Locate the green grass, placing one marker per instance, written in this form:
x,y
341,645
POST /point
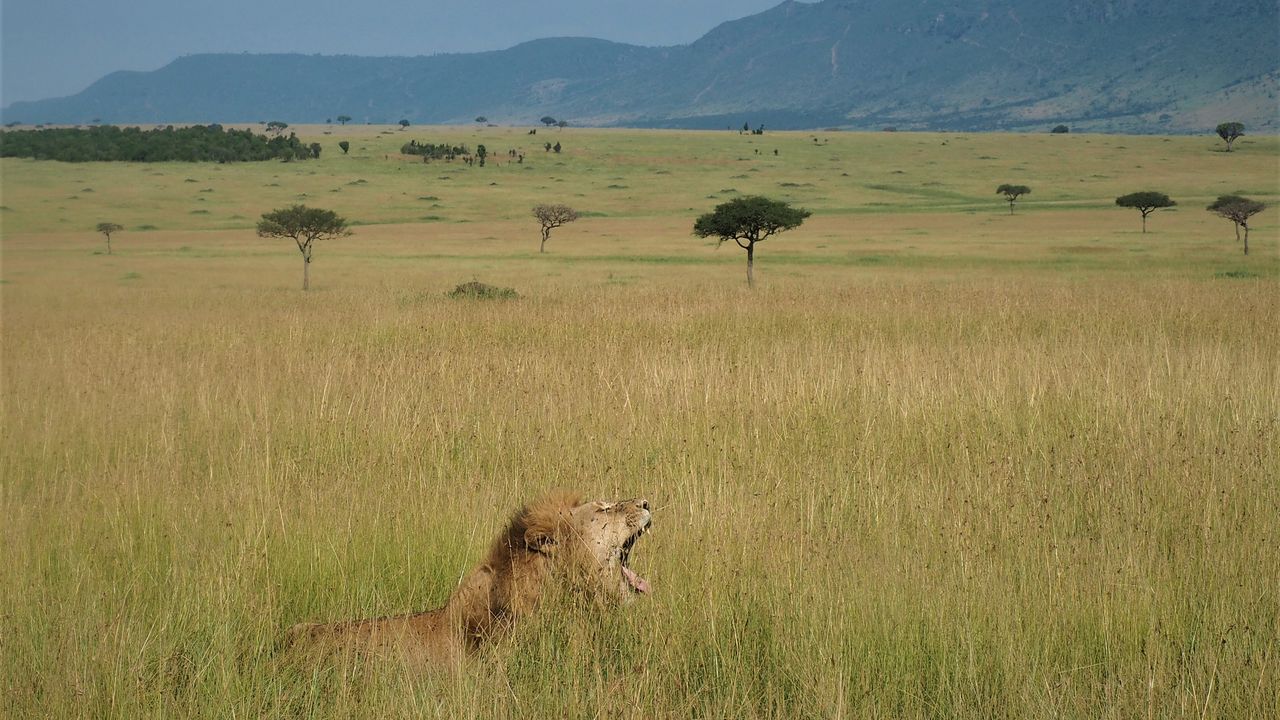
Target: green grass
x,y
886,174
942,462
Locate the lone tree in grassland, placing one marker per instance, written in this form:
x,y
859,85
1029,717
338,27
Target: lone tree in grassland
x,y
404,124
1230,132
481,119
276,127
747,221
552,216
344,146
106,228
1238,210
547,120
1145,202
1011,193
304,225
344,119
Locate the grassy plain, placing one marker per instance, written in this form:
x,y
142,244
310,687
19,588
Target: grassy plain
x,y
942,462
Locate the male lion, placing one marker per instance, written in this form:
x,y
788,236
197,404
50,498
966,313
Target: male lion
x,y
585,546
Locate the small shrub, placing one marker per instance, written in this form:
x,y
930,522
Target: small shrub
x,y
476,290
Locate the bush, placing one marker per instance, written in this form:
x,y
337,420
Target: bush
x,y
476,290
433,151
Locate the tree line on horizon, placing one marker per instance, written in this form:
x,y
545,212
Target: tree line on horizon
x,y
195,143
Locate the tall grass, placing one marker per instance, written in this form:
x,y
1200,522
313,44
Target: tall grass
x,y
943,494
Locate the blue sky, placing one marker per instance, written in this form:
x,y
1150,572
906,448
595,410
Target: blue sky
x,y
51,48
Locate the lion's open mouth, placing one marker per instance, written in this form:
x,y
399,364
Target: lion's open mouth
x,y
637,583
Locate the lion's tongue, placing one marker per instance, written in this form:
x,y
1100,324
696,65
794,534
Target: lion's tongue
x,y
637,582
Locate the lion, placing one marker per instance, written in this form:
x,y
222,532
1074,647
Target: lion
x,y
585,546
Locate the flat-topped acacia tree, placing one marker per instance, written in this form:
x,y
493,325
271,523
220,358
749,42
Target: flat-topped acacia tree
x,y
747,221
550,217
1145,202
106,228
1011,193
1230,132
304,226
1238,210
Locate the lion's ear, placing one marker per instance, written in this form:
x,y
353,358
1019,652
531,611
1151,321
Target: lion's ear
x,y
539,540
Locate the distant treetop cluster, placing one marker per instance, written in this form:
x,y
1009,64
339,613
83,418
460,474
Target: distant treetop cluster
x,y
189,144
434,151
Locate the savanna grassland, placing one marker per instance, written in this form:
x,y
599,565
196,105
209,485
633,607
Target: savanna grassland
x,y
942,462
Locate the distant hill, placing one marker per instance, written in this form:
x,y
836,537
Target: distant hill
x,y
1112,65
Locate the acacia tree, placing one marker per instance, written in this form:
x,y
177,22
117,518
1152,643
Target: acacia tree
x,y
344,119
747,221
547,120
404,124
1230,132
106,228
1238,210
552,216
304,226
1145,202
276,127
1011,193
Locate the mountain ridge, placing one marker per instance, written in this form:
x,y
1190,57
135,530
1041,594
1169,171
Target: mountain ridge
x,y
1111,65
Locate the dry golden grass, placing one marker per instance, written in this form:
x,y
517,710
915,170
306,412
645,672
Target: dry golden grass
x,y
939,464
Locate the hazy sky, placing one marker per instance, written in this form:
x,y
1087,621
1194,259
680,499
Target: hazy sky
x,y
52,48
